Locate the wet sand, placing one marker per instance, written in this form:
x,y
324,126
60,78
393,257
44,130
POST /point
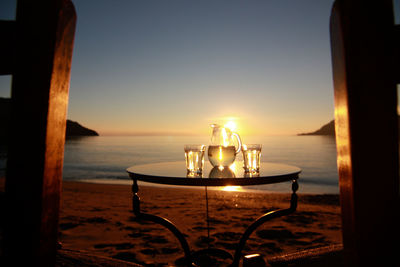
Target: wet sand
x,y
98,219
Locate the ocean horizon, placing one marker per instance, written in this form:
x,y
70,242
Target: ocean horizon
x,y
104,159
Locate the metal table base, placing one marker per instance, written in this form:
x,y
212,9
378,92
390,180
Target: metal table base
x,y
189,256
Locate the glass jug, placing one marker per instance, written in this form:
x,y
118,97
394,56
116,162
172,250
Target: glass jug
x,y
222,151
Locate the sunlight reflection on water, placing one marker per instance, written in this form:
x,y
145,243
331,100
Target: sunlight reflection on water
x,y
231,188
107,157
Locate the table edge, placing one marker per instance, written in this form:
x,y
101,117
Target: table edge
x,y
199,181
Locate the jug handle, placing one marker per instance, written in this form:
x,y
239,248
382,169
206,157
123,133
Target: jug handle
x,y
239,142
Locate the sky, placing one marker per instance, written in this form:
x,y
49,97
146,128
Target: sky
x,y
177,66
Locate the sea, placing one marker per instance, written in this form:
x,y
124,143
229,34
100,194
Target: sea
x,y
104,159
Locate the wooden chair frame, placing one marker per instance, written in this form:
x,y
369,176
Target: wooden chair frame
x,y
365,70
38,53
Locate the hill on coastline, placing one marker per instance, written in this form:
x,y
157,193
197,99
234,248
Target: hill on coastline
x,y
327,129
73,128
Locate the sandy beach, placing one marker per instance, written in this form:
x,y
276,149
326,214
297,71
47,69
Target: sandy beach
x,y
98,219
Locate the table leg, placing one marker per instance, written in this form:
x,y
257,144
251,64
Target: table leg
x,y
159,220
263,219
208,219
135,198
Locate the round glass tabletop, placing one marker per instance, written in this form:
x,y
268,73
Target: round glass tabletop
x,y
174,173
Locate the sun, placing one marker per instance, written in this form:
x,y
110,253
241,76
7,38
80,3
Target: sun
x,y
231,125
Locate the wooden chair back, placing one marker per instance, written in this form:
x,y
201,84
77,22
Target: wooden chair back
x,y
37,52
365,70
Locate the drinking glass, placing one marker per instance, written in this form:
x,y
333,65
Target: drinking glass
x,y
194,155
251,157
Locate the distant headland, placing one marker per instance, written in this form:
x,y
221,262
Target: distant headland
x,y
328,129
73,128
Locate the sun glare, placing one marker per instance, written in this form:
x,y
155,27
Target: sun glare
x,y
231,125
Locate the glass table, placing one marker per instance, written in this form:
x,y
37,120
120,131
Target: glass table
x,y
174,173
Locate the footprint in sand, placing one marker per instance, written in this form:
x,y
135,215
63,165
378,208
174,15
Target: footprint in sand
x,y
136,235
216,221
149,251
157,240
228,236
203,241
129,228
277,234
202,228
96,220
303,218
226,245
169,250
240,224
270,247
306,238
97,209
118,246
67,226
306,234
